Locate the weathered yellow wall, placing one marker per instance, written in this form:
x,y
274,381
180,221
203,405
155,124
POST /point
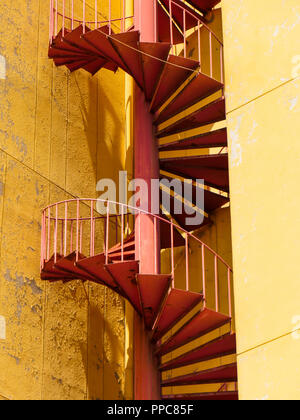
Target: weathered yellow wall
x,y
262,62
59,134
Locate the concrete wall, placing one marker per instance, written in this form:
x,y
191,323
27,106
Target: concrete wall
x,y
262,62
59,134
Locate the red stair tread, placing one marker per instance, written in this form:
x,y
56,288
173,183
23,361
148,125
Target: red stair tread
x,y
67,264
202,323
212,168
75,38
198,88
64,61
209,396
95,267
124,274
177,305
211,113
99,40
96,65
152,289
59,44
126,255
153,67
217,138
61,53
127,46
222,374
204,5
175,72
222,346
212,200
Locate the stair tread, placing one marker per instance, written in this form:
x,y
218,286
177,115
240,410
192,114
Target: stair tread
x,y
206,396
152,290
75,38
221,346
178,303
204,5
163,26
212,168
208,114
200,87
177,14
94,266
124,274
202,323
67,264
222,374
64,61
51,272
153,67
175,72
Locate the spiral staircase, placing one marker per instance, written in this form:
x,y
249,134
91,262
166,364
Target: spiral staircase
x,y
187,315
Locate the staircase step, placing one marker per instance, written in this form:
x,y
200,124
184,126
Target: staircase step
x,y
183,217
76,65
94,266
96,65
212,168
75,39
68,264
152,290
153,57
222,374
221,346
126,255
197,89
52,273
208,396
58,43
165,235
212,200
99,39
217,138
124,274
202,323
178,303
176,71
127,46
208,114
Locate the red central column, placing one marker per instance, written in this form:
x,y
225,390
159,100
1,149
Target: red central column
x,y
147,384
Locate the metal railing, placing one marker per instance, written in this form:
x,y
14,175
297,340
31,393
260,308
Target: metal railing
x,y
77,226
185,26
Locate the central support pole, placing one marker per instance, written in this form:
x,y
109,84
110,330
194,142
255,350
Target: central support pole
x,y
147,383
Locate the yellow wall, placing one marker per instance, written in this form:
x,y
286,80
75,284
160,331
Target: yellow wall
x,y
262,63
59,134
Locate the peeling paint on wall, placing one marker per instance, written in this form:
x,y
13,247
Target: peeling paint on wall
x,y
2,67
296,329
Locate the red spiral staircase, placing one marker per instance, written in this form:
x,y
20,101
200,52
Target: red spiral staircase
x,y
187,314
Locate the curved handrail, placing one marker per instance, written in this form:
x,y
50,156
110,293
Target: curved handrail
x,y
61,216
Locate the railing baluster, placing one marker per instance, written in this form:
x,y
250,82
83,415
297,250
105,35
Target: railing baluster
x,y
155,246
83,16
66,227
221,64
96,14
184,32
210,54
229,292
49,233
71,237
92,230
109,18
81,236
63,19
123,16
122,233
171,23
172,254
199,43
56,17
72,22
